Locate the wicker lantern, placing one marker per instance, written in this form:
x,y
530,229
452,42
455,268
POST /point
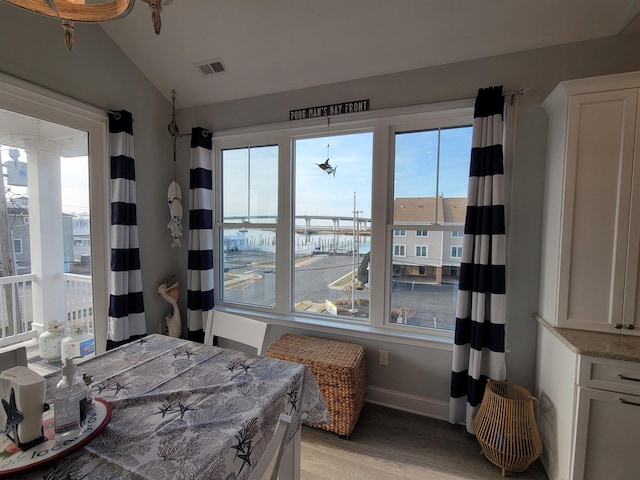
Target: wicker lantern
x,y
506,428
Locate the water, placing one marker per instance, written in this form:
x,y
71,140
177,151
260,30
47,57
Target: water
x,y
304,243
331,242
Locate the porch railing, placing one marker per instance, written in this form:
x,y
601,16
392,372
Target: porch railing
x,y
16,309
16,305
78,299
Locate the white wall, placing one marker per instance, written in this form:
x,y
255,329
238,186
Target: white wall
x,y
98,73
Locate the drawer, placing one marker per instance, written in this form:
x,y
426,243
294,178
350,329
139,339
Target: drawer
x,y
611,375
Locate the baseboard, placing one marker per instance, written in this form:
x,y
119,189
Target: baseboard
x,y
427,407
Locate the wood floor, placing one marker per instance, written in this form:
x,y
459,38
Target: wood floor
x,y
392,445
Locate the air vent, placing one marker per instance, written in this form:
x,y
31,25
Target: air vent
x,y
212,67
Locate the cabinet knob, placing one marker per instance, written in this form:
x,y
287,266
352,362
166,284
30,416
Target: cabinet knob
x,y
631,326
617,326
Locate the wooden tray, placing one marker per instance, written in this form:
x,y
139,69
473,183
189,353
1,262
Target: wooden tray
x,y
13,460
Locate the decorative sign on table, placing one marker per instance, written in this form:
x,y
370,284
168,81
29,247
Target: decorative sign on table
x,y
329,110
13,460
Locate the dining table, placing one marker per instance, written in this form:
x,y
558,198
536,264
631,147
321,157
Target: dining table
x,y
187,411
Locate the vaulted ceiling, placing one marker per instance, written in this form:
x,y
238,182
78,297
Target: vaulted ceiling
x,y
270,46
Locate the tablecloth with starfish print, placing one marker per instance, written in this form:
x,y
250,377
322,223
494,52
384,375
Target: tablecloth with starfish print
x,y
183,410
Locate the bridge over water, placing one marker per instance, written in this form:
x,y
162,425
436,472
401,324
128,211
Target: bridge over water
x,y
312,223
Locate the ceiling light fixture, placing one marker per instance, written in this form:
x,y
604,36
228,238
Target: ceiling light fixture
x,y
70,11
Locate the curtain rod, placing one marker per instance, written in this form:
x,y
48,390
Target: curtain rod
x,y
516,93
205,132
520,91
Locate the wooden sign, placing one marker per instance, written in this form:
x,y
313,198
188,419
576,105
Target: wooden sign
x,y
329,110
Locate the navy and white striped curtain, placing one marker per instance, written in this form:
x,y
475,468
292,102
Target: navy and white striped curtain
x,y
126,306
478,352
200,262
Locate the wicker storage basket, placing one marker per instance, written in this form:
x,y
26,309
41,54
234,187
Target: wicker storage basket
x,y
340,370
506,428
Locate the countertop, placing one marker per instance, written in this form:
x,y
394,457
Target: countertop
x,y
598,344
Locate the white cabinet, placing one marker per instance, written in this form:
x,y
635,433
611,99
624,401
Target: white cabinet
x,y
608,448
591,214
588,413
556,373
608,420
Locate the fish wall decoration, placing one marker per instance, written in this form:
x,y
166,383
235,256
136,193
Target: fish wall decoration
x,y
174,197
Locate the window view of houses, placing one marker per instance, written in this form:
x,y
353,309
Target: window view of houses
x,y
426,261
332,224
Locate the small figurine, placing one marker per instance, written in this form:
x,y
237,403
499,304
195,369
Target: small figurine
x,y
327,168
172,323
88,380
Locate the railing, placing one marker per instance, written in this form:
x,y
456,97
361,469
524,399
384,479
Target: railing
x,y
16,309
16,305
78,299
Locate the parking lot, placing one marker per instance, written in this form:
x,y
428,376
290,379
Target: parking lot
x,y
432,305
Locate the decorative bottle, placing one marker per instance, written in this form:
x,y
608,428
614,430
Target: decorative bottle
x,y
78,342
69,403
49,342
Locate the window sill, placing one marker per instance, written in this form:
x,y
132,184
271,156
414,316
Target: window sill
x,y
351,329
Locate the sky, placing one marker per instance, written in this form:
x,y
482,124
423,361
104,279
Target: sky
x,y
74,173
251,180
319,193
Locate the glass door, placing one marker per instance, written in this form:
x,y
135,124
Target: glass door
x,y
45,228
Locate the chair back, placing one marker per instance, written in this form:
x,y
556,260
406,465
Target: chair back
x,y
268,466
13,358
235,327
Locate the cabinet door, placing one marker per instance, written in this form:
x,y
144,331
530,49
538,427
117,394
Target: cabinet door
x,y
597,198
607,436
631,315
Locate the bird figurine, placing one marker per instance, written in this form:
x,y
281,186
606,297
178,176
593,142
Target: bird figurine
x,y
172,324
327,168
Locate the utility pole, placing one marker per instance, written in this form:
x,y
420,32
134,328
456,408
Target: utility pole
x,y
6,252
353,251
358,212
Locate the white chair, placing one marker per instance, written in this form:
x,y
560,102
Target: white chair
x,y
237,328
268,466
13,358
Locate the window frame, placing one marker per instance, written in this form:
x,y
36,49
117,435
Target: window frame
x,y
424,248
384,124
28,99
397,247
17,246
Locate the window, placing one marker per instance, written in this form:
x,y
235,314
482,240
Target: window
x,y
430,193
456,252
17,246
66,186
247,238
311,219
457,233
333,224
